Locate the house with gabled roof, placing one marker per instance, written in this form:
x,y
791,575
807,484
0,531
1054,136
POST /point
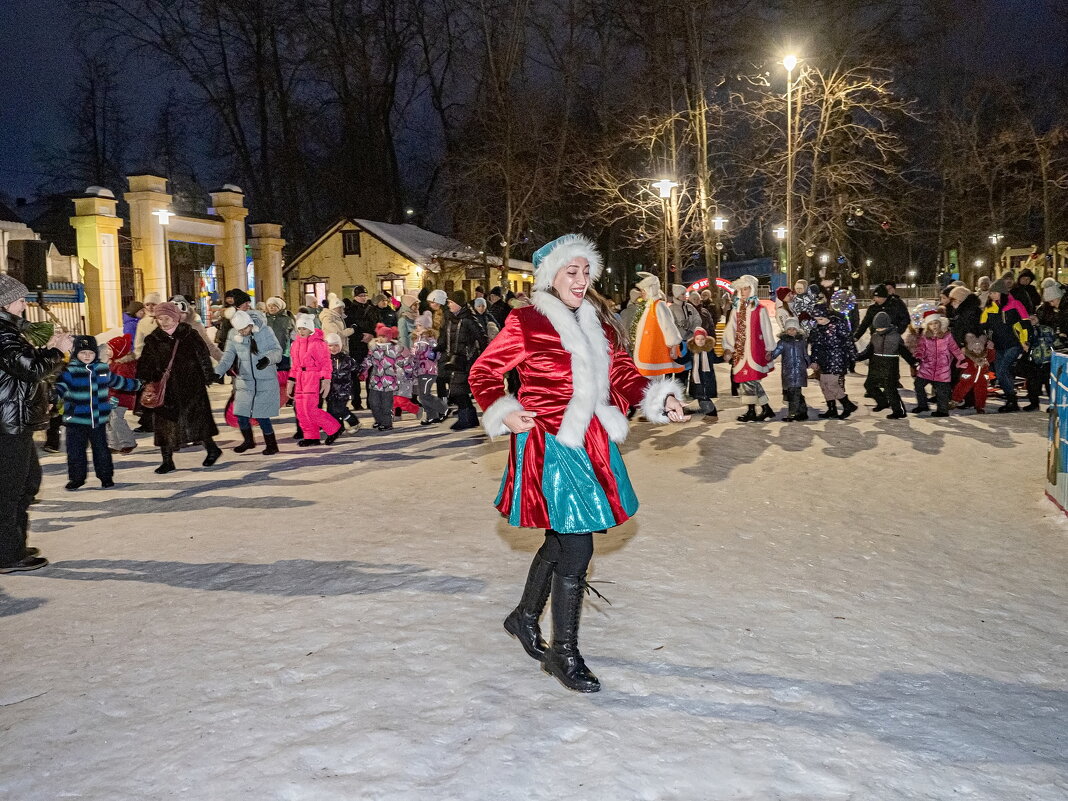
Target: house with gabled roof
x,y
394,258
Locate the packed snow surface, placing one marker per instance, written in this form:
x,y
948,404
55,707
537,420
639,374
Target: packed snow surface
x,y
867,609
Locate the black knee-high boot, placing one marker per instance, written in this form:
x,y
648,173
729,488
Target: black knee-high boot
x,y
563,659
168,462
522,623
213,450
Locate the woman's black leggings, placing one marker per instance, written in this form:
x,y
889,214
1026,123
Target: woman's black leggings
x,y
570,552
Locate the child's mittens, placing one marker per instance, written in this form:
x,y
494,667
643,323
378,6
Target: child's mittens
x,y
262,363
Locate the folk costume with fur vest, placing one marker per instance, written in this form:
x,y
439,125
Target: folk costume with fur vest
x,y
656,337
748,338
567,473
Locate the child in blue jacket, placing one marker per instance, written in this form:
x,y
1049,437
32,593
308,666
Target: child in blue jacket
x,y
84,387
793,348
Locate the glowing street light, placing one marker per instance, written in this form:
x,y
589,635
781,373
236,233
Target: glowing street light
x,y
164,215
824,258
664,187
719,223
780,232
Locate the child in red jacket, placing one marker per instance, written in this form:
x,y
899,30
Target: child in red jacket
x,y
978,356
118,353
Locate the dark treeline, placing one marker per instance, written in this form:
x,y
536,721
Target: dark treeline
x,y
511,121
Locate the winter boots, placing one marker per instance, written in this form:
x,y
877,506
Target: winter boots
x,y
563,659
214,452
1011,405
848,407
272,445
749,416
466,418
831,413
248,444
522,623
766,413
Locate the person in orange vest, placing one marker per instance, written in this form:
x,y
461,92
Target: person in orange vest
x,y
747,341
656,337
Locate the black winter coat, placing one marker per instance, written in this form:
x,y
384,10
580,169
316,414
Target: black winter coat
x,y
461,341
23,372
362,319
894,307
966,319
832,347
185,401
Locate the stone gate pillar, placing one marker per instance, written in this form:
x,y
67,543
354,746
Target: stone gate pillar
x,y
267,244
148,195
97,229
229,203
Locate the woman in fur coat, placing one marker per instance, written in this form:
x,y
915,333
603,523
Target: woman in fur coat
x,y
185,415
564,473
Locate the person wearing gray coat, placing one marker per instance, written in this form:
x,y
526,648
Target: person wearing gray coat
x,y
253,351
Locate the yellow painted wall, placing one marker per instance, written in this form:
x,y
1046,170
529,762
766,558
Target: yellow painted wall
x,y
327,261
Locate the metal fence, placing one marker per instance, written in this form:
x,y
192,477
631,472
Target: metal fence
x,y
62,302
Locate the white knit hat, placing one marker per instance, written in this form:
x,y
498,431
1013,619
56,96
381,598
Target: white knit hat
x,y
334,302
240,320
438,296
1051,290
333,339
152,297
306,321
281,304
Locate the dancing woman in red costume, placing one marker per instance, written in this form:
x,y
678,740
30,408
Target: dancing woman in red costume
x,y
564,473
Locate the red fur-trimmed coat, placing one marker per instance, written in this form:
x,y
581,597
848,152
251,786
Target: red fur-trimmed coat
x,y
577,379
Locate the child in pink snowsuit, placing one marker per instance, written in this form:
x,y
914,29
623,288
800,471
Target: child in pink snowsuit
x,y
311,367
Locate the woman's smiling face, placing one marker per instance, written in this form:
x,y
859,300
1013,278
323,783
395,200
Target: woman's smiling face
x,y
572,281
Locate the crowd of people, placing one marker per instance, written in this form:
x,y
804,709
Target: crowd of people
x,y
414,354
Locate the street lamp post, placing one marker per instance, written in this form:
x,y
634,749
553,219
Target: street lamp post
x,y
912,282
719,223
782,233
789,62
665,187
164,216
995,239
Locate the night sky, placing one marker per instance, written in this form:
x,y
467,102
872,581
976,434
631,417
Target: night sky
x,y
38,53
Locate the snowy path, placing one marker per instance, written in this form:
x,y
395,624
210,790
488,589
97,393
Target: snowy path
x,y
867,609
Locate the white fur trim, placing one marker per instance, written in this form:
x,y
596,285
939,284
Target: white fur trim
x,y
656,394
582,335
746,280
493,417
649,285
567,248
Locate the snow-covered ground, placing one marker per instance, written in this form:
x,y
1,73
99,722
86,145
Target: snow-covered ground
x,y
868,609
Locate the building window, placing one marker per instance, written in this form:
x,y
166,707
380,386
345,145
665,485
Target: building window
x,y
350,243
316,288
394,286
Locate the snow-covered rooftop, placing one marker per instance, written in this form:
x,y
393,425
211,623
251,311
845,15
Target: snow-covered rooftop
x,y
421,246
